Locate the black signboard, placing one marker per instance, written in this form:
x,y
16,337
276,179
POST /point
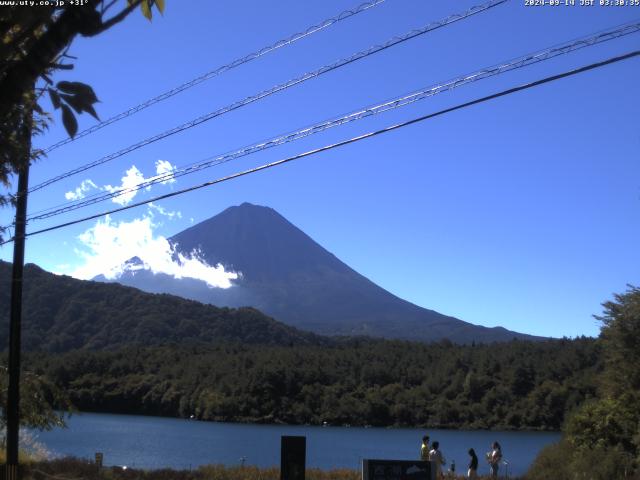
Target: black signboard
x,y
293,452
397,470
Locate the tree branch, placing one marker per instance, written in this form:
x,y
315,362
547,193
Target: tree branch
x,y
115,19
73,21
105,8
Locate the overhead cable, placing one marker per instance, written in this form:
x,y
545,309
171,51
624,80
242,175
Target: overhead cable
x,y
344,142
520,62
278,88
214,73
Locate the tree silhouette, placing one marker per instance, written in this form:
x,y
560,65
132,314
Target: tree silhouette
x,y
34,46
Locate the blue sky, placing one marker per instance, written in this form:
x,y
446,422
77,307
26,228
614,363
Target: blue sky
x,y
522,212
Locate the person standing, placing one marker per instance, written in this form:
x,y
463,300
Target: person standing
x,y
494,459
424,449
473,464
437,459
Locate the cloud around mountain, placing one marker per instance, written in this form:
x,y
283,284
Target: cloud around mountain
x,y
107,248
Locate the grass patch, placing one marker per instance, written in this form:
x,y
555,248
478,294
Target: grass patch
x,y
75,469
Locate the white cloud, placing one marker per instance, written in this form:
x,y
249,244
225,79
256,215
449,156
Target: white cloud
x,y
170,214
109,244
79,193
163,167
132,178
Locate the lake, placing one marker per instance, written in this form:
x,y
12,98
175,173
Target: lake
x,y
154,442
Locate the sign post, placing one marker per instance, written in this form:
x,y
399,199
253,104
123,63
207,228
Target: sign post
x,y
293,452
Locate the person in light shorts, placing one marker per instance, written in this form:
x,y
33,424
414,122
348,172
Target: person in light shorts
x,y
473,464
494,457
437,459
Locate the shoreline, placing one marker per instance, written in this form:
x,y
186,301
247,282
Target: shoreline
x,y
257,421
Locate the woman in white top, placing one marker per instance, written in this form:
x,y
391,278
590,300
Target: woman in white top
x,y
494,459
437,459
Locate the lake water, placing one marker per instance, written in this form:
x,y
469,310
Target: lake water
x,y
154,442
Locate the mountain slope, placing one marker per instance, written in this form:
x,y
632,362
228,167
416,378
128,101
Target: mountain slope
x,y
289,276
61,313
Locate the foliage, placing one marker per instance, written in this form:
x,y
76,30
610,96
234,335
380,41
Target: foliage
x,y
38,397
357,382
605,423
620,336
613,421
602,438
72,95
562,462
552,462
31,449
34,44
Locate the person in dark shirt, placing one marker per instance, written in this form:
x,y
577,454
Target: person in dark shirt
x,y
473,464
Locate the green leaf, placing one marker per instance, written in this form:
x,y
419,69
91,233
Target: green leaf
x,y
78,88
69,87
146,9
160,6
69,121
74,101
91,111
80,103
55,98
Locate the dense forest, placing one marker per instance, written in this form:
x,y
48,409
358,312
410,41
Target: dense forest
x,y
111,348
516,385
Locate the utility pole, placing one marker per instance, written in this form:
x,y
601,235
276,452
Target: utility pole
x,y
13,394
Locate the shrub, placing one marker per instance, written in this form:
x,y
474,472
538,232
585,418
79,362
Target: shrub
x,y
563,461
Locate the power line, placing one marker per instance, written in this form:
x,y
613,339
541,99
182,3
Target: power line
x,y
214,73
517,63
347,142
401,101
278,88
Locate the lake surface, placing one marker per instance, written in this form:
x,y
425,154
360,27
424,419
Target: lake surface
x,y
154,442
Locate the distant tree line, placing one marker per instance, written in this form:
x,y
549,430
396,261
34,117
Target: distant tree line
x,y
515,385
111,348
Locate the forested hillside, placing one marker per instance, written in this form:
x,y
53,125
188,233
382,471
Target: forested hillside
x,y
117,349
61,313
516,385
